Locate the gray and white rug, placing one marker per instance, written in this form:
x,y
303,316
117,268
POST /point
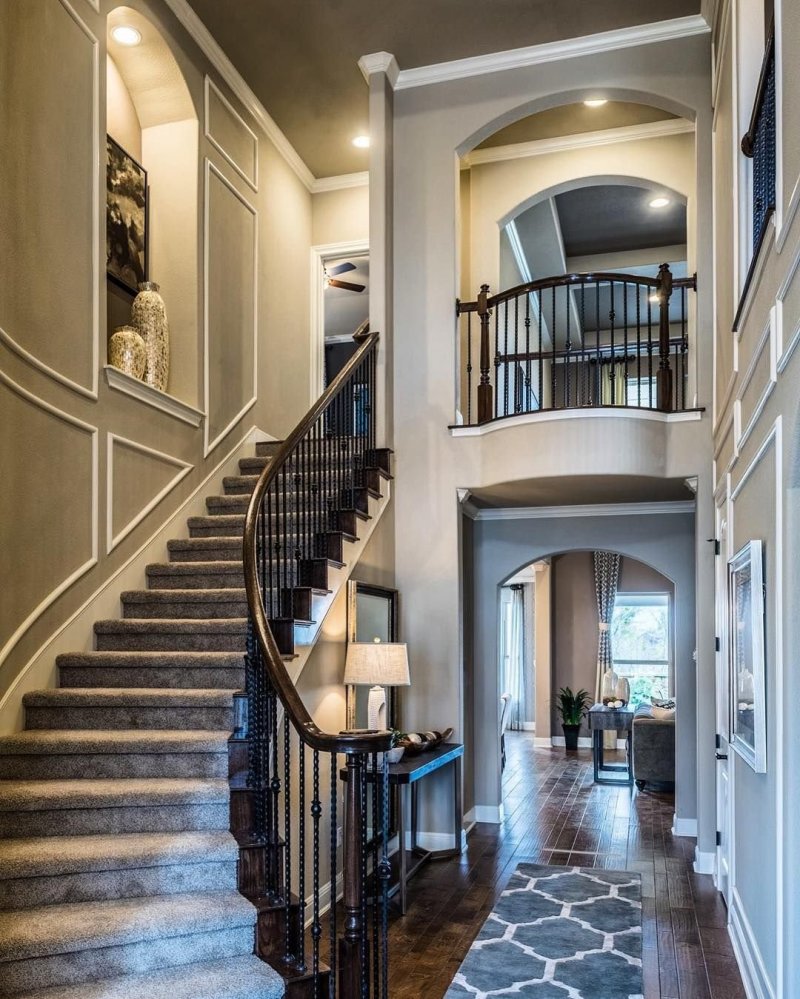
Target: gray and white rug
x,y
558,933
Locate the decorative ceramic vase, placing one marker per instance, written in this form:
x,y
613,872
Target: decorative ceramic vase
x,y
608,689
623,690
149,316
126,351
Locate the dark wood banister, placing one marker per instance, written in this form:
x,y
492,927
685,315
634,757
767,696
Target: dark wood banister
x,y
559,280
749,137
312,735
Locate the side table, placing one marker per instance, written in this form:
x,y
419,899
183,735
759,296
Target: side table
x,y
602,719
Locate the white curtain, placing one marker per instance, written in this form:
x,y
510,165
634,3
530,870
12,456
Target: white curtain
x,y
513,643
606,578
612,389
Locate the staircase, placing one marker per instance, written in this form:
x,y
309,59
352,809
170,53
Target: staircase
x,y
131,864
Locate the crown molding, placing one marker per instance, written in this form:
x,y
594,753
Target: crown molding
x,y
380,62
214,53
582,140
340,182
586,510
570,48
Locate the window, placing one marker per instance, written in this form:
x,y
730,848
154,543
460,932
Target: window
x,y
640,643
640,392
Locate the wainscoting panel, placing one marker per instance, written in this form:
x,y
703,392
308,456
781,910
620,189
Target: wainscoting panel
x,y
48,532
230,236
230,134
49,177
137,479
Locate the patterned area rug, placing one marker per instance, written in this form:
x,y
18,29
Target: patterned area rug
x,y
559,933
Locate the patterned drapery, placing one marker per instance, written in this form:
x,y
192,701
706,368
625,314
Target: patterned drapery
x,y
606,577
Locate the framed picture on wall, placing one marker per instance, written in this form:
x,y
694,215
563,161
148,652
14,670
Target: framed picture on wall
x,y
748,689
126,218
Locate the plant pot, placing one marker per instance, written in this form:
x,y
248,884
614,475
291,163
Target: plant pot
x,y
571,736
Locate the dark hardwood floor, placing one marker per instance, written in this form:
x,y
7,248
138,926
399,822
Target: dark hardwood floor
x,y
555,814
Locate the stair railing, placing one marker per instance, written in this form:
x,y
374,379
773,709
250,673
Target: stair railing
x,y
576,341
308,497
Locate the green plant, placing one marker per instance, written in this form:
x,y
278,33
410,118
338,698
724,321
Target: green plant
x,y
572,707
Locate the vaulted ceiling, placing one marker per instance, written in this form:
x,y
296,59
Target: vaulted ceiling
x,y
301,58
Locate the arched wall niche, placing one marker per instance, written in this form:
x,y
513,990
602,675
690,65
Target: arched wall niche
x,y
151,114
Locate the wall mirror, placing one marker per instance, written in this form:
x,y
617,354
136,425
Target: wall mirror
x,y
371,614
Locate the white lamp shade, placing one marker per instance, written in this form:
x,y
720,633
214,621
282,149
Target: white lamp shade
x,y
381,663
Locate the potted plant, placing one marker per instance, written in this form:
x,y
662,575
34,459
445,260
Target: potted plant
x,y
572,708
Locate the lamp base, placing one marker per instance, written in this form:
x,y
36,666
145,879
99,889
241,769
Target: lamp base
x,y
376,709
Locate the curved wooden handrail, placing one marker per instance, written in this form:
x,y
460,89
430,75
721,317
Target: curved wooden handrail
x,y
767,66
568,280
309,731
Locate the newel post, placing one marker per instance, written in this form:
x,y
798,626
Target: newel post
x,y
664,379
351,958
485,400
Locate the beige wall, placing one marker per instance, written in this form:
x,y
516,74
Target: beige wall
x,y
55,406
340,216
755,471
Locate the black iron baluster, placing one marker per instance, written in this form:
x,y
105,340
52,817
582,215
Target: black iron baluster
x,y
553,348
332,921
301,851
364,978
568,346
287,838
598,379
517,387
275,787
650,350
540,352
496,361
316,929
505,358
612,374
625,341
376,970
469,368
528,390
684,348
385,873
585,400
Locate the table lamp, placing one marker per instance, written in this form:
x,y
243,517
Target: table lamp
x,y
378,665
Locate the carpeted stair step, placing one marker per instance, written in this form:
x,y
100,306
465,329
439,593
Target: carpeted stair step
x,y
215,549
71,944
234,978
56,870
129,708
222,526
238,485
171,636
85,807
184,604
268,449
47,754
195,575
185,670
227,504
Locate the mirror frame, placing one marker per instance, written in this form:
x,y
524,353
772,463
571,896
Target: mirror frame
x,y
354,587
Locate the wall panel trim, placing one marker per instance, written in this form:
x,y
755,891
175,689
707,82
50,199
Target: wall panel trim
x,y
228,157
65,584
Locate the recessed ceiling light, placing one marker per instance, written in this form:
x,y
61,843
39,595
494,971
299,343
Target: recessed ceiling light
x,y
659,202
654,298
361,142
124,34
596,102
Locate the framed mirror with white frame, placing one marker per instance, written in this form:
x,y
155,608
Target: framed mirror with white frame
x,y
748,688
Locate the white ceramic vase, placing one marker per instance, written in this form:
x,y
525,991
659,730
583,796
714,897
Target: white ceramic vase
x,y
149,316
126,351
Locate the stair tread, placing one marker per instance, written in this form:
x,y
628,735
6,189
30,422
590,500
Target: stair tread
x,y
80,926
46,741
146,657
175,625
46,856
192,568
48,795
210,595
242,977
128,696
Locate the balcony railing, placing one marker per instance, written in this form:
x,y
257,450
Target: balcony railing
x,y
576,341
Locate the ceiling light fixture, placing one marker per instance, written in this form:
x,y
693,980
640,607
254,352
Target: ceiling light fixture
x,y
124,34
659,202
595,102
654,298
361,142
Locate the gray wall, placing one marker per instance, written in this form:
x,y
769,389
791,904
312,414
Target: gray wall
x,y
665,542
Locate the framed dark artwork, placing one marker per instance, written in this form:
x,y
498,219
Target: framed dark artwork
x,y
748,690
126,218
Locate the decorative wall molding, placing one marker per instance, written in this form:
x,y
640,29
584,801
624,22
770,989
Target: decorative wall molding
x,y
112,539
546,415
684,827
340,182
319,254
587,510
766,340
748,956
209,445
791,211
82,569
583,140
152,396
534,55
785,348
705,862
380,62
217,144
213,52
91,391
764,253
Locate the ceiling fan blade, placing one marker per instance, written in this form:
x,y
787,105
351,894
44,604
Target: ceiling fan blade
x,y
346,285
340,269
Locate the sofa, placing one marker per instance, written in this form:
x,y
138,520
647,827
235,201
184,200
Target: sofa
x,y
652,748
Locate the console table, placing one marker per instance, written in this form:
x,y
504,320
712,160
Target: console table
x,y
603,719
405,776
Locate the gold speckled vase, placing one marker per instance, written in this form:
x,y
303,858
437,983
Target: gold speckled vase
x,y
126,351
149,316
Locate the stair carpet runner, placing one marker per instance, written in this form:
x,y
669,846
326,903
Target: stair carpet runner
x,y
118,869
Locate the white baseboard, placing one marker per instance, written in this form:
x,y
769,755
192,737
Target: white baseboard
x,y
751,964
704,862
436,840
684,827
542,742
469,821
493,814
324,898
529,726
584,742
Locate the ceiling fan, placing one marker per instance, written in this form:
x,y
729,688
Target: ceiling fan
x,y
331,280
